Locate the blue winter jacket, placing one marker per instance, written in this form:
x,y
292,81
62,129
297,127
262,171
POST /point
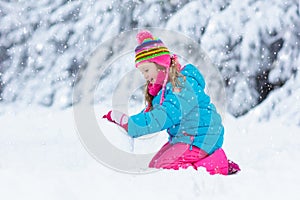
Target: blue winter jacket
x,y
188,115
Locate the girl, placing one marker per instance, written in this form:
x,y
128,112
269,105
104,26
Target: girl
x,y
176,101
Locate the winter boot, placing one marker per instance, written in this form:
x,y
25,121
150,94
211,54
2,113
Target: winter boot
x,y
233,168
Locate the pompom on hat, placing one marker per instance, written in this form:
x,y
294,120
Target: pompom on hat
x,y
151,49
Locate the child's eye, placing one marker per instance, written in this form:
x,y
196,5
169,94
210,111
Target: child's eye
x,y
146,70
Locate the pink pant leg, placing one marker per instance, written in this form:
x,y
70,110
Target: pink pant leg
x,y
180,156
175,156
215,163
160,152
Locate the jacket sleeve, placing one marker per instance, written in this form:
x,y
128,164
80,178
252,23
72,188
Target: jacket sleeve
x,y
160,118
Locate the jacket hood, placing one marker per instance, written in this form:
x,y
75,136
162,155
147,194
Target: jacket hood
x,y
191,72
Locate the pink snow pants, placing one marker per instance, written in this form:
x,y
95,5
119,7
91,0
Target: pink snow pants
x,y
175,156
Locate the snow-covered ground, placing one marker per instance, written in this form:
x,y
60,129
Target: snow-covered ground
x,y
41,157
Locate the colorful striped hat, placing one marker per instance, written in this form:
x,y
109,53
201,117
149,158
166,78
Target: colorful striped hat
x,y
151,49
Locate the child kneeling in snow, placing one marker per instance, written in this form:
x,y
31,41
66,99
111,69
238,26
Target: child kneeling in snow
x,y
176,101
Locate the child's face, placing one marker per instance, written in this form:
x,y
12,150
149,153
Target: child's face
x,y
149,71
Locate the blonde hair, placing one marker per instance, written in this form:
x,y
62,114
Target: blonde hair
x,y
174,75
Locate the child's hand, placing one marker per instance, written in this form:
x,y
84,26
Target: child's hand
x,y
118,118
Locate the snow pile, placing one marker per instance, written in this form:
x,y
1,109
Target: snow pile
x,y
42,158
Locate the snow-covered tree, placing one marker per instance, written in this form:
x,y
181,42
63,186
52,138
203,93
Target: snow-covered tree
x,y
43,44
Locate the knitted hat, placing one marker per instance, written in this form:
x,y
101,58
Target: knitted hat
x,y
151,49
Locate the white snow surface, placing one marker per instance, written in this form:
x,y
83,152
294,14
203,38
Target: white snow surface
x,y
42,157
